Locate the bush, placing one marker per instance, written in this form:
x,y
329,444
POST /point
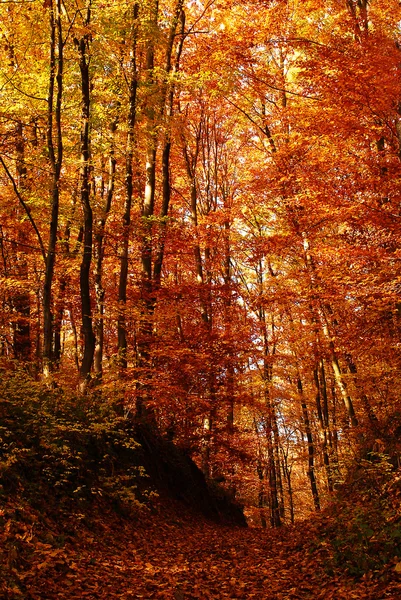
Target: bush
x,y
362,532
80,447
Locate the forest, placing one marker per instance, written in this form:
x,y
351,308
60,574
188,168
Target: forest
x,y
200,287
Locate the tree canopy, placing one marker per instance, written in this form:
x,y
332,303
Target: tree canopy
x,y
200,223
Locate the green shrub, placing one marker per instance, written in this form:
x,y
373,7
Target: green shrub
x,y
363,528
79,447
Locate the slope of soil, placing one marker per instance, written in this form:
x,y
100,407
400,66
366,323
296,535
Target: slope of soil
x,y
175,475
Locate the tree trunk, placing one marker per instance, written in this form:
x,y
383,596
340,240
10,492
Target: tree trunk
x,y
55,153
84,279
99,254
311,447
21,299
151,254
129,188
323,416
270,420
287,477
322,318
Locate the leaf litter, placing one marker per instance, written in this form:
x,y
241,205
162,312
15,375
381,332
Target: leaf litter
x,y
171,555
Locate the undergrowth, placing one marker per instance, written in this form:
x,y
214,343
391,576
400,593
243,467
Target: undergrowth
x,y
63,460
360,532
75,447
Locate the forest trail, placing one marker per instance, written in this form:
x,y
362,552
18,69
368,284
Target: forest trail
x,y
187,558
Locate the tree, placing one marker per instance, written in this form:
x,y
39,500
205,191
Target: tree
x,y
205,220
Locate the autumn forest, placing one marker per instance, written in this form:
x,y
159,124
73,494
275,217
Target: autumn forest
x,y
200,230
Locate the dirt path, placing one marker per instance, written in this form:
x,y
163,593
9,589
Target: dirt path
x,y
183,559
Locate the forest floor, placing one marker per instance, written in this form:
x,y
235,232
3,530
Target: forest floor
x,y
172,554
80,520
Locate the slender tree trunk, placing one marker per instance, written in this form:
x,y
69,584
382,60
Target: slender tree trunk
x,y
151,253
311,446
373,420
287,477
129,190
179,17
58,320
84,279
207,428
191,171
322,317
55,154
323,416
307,426
99,255
227,301
277,463
270,416
21,299
261,471
275,513
145,333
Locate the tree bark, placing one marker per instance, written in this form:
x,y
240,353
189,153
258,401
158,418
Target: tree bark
x,y
151,253
129,190
21,299
311,446
319,378
99,255
85,269
324,323
55,154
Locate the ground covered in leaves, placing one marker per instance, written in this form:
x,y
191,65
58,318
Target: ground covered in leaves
x,y
173,554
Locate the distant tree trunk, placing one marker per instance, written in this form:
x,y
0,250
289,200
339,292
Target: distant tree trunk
x,y
372,418
271,429
60,302
152,254
261,494
227,301
287,476
179,17
277,462
58,319
145,333
275,512
323,416
191,164
203,278
107,196
261,471
207,427
325,327
206,316
311,446
21,300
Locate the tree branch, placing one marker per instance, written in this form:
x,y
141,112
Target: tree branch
x,y
25,207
